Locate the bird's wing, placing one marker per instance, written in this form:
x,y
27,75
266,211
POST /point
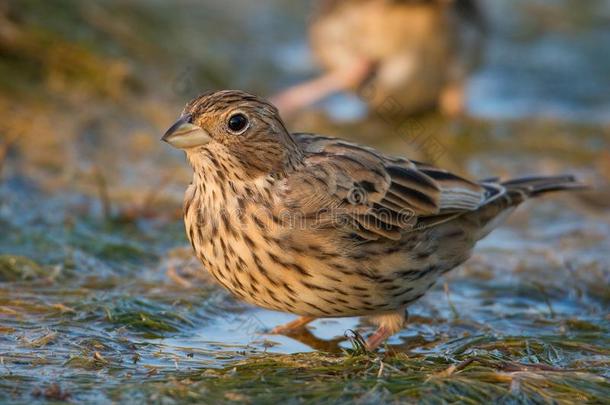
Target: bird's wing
x,y
371,194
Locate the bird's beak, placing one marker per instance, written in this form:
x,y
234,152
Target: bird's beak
x,y
183,134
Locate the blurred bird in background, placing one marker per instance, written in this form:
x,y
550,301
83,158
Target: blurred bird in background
x,y
419,52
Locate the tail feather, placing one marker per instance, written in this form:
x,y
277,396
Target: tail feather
x,y
534,186
505,196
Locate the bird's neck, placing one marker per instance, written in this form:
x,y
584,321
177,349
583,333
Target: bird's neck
x,y
221,182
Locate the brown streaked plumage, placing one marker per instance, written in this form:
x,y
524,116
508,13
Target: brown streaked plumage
x,y
321,227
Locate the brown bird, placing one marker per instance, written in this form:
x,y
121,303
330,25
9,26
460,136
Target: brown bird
x,y
321,227
418,52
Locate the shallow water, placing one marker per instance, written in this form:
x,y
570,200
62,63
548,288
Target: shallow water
x,y
100,298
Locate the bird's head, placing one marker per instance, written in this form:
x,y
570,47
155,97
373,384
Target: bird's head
x,y
236,124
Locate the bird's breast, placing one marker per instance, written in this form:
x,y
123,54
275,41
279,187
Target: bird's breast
x,y
268,257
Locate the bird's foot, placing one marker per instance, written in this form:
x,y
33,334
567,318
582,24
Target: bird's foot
x,y
293,326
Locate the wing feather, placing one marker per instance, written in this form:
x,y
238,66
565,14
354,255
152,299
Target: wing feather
x,y
378,196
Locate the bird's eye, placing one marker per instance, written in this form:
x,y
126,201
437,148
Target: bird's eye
x,y
237,123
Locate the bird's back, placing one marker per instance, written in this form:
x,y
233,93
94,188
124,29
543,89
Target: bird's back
x,y
388,198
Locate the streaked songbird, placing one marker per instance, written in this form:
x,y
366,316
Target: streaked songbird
x,y
321,227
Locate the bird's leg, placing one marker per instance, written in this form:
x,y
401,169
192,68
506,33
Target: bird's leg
x,y
293,326
377,338
312,91
452,99
389,324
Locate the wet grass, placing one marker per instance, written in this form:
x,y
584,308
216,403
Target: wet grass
x,y
487,376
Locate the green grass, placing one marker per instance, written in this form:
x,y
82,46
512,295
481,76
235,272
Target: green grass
x,y
320,378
